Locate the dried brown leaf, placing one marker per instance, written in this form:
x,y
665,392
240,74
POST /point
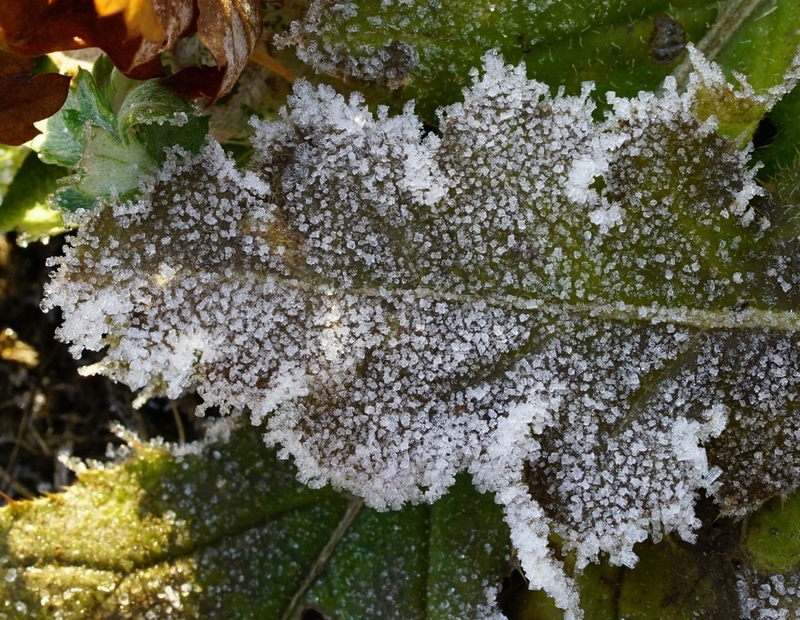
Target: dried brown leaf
x,y
25,99
230,30
195,82
34,27
134,32
156,24
140,17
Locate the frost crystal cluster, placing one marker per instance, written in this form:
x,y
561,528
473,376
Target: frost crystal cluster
x,y
550,303
386,64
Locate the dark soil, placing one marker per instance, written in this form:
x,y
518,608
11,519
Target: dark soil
x,y
47,410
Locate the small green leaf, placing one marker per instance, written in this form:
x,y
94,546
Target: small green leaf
x,y
108,168
63,140
69,199
25,208
111,167
150,103
114,133
102,71
161,120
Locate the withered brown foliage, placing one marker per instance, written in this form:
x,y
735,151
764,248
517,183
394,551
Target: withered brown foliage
x,y
25,99
132,32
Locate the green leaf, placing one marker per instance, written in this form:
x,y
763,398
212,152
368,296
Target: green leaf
x,y
773,540
108,167
772,26
622,47
85,135
161,120
24,207
429,51
103,75
150,103
114,132
222,529
63,140
11,158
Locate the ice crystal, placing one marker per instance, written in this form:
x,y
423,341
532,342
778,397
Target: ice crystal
x,y
768,598
545,301
388,64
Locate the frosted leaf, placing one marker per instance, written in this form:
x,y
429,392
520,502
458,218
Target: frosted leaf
x,y
774,597
387,64
709,76
624,461
550,303
764,425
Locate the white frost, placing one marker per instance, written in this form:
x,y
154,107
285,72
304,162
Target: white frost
x,y
396,309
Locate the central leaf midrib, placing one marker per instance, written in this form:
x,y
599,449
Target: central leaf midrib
x,y
621,312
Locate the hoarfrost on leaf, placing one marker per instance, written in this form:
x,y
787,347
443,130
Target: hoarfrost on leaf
x,y
389,64
547,302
